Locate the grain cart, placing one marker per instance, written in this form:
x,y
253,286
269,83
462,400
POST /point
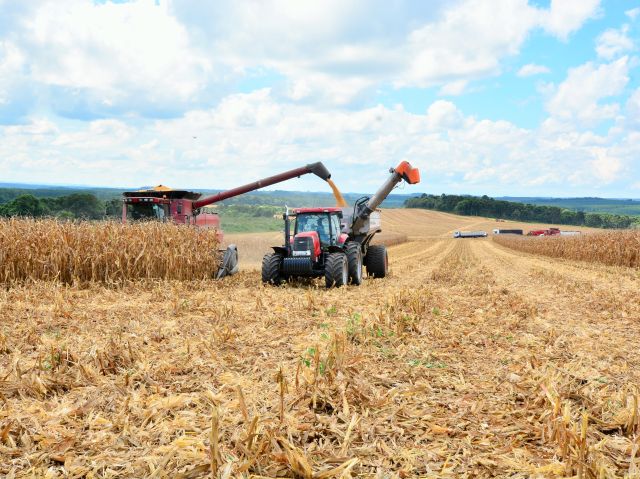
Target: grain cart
x,y
186,207
335,242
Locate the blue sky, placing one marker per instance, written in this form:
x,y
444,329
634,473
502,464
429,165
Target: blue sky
x,y
498,97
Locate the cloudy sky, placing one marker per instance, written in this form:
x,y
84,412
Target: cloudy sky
x,y
498,97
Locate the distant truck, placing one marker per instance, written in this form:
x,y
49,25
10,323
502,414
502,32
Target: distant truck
x,y
470,234
507,232
547,232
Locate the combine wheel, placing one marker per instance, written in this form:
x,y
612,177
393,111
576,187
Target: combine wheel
x,y
336,270
271,265
377,261
354,257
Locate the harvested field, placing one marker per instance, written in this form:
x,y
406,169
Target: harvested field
x,y
618,248
470,360
106,252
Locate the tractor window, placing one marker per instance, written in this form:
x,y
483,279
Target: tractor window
x,y
147,211
315,222
324,231
335,227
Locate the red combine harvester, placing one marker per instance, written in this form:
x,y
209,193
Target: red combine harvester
x,y
547,232
334,242
186,207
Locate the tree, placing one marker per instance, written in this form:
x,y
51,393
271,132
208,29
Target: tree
x,y
24,205
82,205
113,208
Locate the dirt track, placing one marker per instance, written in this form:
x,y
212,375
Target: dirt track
x,y
470,360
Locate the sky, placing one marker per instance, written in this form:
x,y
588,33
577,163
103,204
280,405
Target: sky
x,y
496,97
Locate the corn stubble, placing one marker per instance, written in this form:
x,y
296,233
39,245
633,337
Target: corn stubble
x,y
469,360
615,248
103,252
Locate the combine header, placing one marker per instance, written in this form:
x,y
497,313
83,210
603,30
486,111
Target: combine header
x,y
186,207
335,242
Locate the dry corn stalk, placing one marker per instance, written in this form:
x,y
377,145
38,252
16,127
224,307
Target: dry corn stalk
x,y
616,248
103,252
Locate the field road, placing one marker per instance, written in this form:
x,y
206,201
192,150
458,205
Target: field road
x,y
469,360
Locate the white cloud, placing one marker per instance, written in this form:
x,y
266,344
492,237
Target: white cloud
x,y
317,45
633,13
454,88
532,69
613,42
255,134
567,16
578,97
163,57
11,62
444,115
606,167
114,54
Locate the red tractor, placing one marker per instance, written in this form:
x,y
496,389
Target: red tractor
x,y
186,207
334,242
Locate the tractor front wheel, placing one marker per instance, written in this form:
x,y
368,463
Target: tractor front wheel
x,y
336,270
377,261
354,257
271,266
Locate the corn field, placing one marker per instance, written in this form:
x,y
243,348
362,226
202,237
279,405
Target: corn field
x,y
617,248
469,359
104,252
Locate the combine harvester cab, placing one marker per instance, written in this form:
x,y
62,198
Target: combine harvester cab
x,y
188,208
335,242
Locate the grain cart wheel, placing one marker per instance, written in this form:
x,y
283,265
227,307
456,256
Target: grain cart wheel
x,y
354,257
377,261
271,265
336,270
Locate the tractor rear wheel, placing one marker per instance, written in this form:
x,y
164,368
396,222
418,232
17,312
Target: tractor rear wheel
x,y
336,270
377,261
354,257
271,266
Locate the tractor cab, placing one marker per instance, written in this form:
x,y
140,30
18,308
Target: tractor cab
x,y
314,230
325,223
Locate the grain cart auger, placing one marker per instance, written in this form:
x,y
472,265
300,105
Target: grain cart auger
x,y
187,208
335,242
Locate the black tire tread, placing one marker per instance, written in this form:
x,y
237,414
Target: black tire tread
x,y
375,261
271,264
333,269
353,249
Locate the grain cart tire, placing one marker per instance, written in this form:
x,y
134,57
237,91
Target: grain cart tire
x,y
354,257
377,261
271,266
336,270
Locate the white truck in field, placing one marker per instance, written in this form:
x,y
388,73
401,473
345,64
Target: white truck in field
x,y
470,234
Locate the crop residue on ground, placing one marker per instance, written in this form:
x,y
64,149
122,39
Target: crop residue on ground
x,y
469,360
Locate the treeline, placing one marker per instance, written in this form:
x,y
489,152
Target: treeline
x,y
87,206
490,207
75,206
